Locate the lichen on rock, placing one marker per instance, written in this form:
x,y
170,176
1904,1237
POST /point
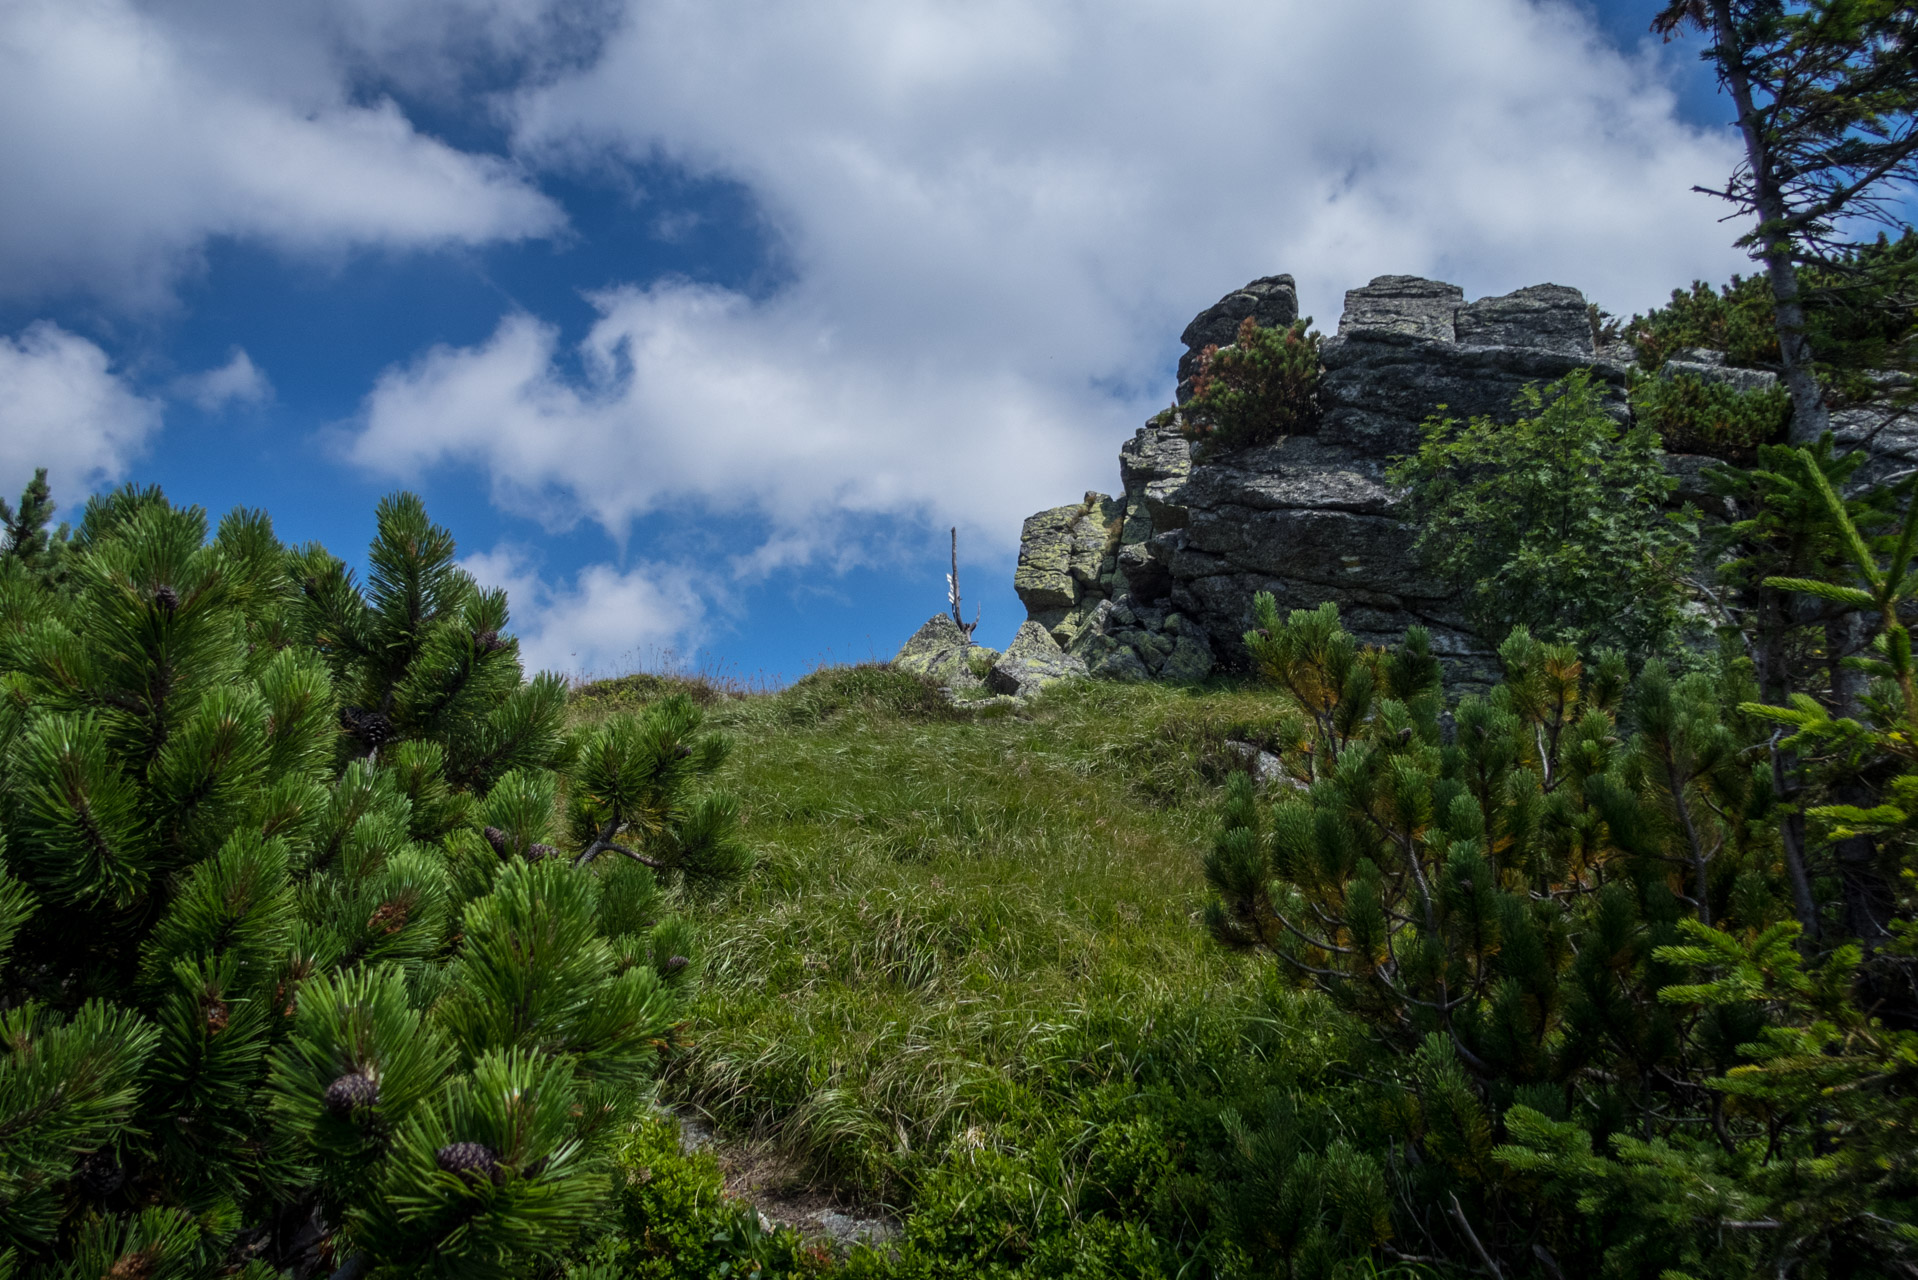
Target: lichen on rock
x,y
1033,661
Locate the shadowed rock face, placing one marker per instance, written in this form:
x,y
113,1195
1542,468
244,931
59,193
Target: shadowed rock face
x,y
1310,518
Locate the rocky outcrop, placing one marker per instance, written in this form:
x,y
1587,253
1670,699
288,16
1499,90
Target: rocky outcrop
x,y
1310,518
1096,577
1157,583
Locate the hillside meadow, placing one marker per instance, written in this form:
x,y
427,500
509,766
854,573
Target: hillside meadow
x,y
967,987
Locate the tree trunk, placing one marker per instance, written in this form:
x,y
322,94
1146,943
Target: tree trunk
x,y
1809,417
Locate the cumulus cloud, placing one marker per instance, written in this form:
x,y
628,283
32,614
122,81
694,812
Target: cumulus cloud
x,y
693,393
63,408
998,215
129,145
238,381
603,620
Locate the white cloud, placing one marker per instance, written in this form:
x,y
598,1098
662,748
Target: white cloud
x,y
603,621
238,381
62,408
128,145
695,393
998,216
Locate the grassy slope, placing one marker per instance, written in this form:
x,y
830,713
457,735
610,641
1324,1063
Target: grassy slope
x,y
970,933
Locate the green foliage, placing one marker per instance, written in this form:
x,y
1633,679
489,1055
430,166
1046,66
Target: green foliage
x,y
422,654
673,1222
1859,320
1261,388
1691,415
24,528
868,686
1567,928
1554,522
1735,318
251,967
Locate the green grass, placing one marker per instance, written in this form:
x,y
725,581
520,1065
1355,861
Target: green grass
x,y
963,925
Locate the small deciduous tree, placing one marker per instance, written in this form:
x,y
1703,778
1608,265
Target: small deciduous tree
x,y
1555,522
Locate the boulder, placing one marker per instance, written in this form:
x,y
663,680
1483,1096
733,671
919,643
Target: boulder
x,y
942,650
1062,552
1032,662
1718,371
1405,306
1549,317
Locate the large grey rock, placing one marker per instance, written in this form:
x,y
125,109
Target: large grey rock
x,y
1718,371
1062,551
1313,517
1033,661
1154,465
1406,306
1547,316
942,650
1888,434
1271,301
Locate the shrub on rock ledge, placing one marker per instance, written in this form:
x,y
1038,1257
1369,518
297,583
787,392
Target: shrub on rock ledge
x,y
1262,387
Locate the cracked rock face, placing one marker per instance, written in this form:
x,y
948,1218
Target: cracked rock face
x,y
1272,301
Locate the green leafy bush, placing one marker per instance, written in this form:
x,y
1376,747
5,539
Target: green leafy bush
x,y
1859,312
1555,522
1262,387
673,1222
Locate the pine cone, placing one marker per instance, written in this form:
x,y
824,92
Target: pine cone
x,y
535,852
217,1016
488,641
470,1160
166,597
352,1092
137,1265
497,838
100,1175
675,963
389,919
370,727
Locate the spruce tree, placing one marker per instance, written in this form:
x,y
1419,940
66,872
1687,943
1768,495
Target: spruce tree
x,y
277,990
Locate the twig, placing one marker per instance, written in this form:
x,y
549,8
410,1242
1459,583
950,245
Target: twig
x,y
1471,1238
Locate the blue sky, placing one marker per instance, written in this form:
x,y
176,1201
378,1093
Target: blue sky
x,y
700,321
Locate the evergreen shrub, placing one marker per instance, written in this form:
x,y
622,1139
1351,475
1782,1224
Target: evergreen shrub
x,y
1692,415
1261,388
1599,1039
296,968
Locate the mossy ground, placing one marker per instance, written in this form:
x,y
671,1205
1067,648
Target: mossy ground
x,y
968,982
